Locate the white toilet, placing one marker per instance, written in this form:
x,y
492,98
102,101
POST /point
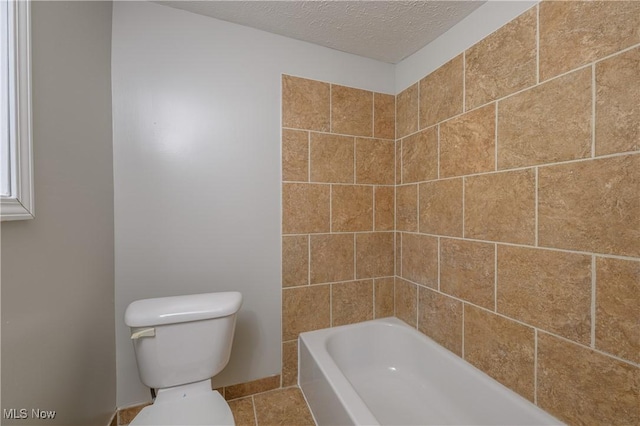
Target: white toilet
x,y
180,343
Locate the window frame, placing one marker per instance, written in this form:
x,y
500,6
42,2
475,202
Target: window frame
x,y
19,204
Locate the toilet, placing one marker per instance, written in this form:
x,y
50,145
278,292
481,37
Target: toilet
x,y
180,343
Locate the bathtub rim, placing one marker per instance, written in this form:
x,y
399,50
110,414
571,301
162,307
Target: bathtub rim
x,y
355,408
351,402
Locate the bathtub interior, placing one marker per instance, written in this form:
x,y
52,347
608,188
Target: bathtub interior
x,y
386,372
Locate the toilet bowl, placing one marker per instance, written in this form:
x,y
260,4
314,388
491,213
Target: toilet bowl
x,y
193,404
181,342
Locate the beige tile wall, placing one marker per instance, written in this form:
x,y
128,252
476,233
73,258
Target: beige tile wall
x,y
518,208
338,208
513,188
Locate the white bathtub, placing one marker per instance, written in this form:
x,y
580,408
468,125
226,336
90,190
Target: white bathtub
x,y
384,372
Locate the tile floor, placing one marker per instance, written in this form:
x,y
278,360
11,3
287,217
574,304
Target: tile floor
x,y
277,407
284,406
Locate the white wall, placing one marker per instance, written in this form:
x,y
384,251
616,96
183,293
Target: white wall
x,y
196,109
480,23
58,343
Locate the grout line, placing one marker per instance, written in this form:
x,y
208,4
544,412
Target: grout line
x,y
373,292
535,366
401,160
330,108
418,207
374,198
308,157
320,132
332,282
342,183
617,53
469,303
394,296
395,237
438,158
395,253
355,250
495,278
439,263
463,210
593,301
495,141
308,259
535,212
373,114
463,309
336,232
491,172
593,111
439,249
556,249
595,350
537,44
331,208
355,141
418,117
605,255
396,144
604,58
395,164
581,67
400,234
331,305
582,345
582,160
255,413
464,81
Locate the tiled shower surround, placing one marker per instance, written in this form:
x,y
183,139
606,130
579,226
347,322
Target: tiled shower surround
x,y
514,240
338,156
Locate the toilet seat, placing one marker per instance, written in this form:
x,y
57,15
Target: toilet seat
x,y
193,404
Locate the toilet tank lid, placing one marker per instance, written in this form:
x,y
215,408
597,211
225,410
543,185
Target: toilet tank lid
x,y
177,309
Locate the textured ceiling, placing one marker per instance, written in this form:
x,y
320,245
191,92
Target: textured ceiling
x,y
388,31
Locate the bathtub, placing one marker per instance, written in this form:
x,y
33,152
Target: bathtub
x,y
383,372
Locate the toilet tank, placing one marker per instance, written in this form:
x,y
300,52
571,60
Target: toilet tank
x,y
182,339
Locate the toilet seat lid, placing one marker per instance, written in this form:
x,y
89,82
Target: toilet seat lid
x,y
204,409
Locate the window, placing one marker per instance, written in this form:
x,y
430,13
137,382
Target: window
x,y
16,174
